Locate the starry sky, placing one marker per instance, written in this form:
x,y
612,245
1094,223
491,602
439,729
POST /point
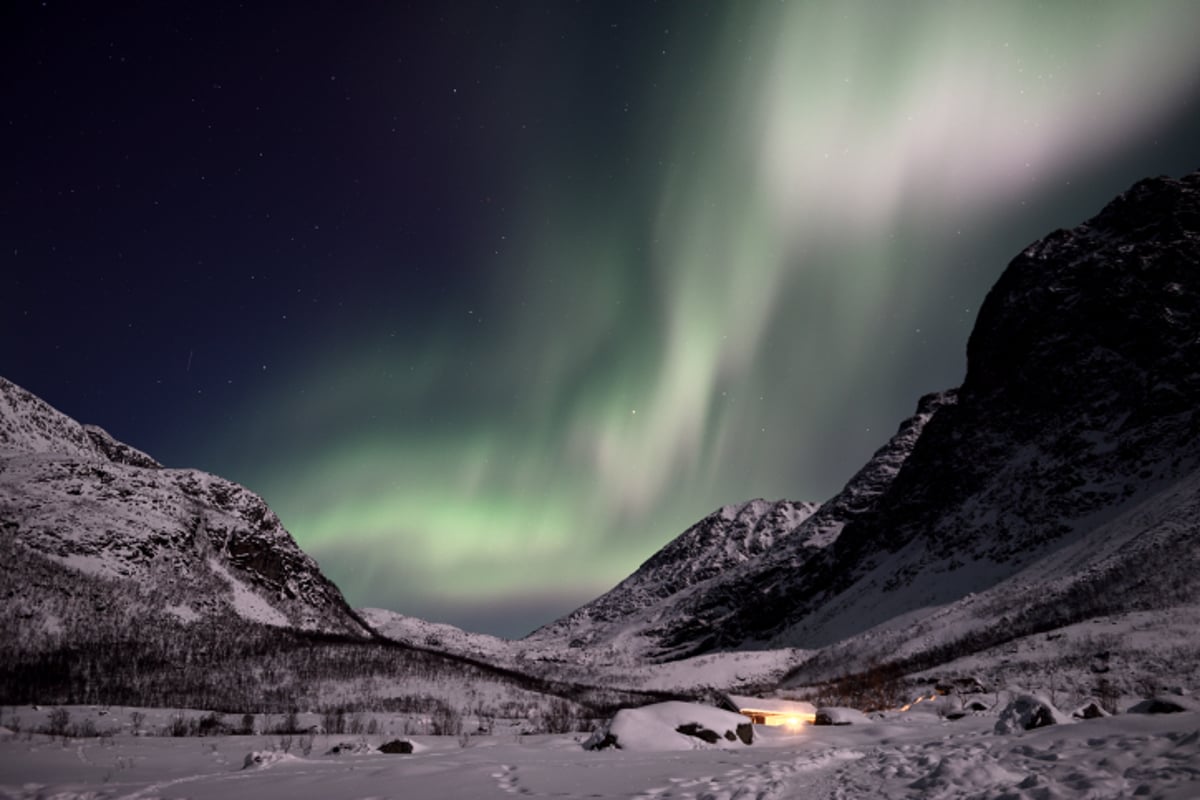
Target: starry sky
x,y
492,300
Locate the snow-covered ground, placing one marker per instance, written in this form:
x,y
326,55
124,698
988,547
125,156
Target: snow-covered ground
x,y
905,756
609,666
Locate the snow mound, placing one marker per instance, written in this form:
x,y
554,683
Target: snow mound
x,y
673,726
833,715
1028,711
1166,704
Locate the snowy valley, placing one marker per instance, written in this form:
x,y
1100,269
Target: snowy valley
x,y
1003,602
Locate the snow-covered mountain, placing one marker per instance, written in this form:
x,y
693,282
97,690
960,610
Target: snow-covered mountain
x,y
1056,490
726,538
671,606
206,547
439,636
127,582
1081,404
1057,484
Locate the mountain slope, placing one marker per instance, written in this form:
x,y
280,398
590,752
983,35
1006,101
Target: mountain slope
x,y
73,494
665,609
1081,400
1081,404
729,536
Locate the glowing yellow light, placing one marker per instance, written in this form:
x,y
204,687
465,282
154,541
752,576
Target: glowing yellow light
x,y
775,719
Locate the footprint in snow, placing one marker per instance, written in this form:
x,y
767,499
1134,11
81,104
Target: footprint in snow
x,y
507,781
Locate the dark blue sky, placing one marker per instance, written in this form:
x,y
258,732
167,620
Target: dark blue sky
x,y
490,301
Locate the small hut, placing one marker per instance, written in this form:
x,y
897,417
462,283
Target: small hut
x,y
772,711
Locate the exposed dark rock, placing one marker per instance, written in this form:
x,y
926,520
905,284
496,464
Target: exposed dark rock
x,y
1165,704
1090,710
1027,712
700,732
601,740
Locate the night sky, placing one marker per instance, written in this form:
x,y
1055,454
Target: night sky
x,y
491,301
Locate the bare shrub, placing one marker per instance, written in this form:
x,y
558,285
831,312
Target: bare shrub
x,y
58,723
179,726
877,688
333,721
290,723
445,721
1108,695
560,717
211,724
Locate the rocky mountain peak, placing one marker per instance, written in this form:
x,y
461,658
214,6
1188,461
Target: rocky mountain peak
x,y
28,425
681,598
1116,293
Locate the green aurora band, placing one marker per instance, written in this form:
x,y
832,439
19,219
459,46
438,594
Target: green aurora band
x,y
742,297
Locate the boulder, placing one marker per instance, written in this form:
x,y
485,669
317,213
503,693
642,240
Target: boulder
x,y
1090,709
1028,711
1165,704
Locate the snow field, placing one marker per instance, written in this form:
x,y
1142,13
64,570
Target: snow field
x,y
918,756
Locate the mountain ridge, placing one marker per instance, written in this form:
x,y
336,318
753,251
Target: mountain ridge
x,y
74,494
659,630
1080,403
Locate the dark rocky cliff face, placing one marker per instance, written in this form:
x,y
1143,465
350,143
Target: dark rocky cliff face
x,y
1082,395
1082,385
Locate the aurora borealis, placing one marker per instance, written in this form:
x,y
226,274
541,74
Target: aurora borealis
x,y
491,303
